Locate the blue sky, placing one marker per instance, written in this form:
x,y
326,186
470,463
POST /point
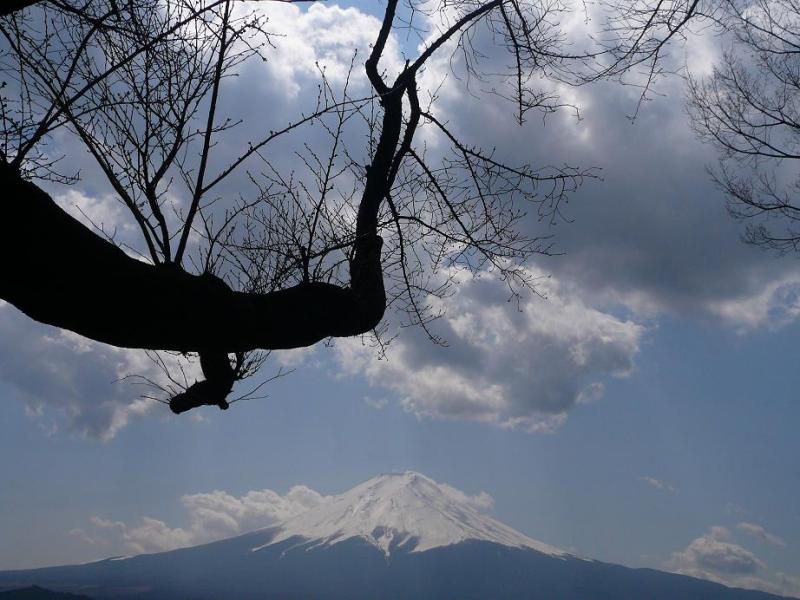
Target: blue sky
x,y
671,441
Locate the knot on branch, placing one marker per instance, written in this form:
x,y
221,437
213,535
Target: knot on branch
x,y
214,390
200,393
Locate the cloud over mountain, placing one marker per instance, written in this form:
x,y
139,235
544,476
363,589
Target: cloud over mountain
x,y
212,516
716,556
217,515
521,367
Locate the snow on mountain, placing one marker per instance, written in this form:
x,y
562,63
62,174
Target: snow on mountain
x,y
399,514
407,510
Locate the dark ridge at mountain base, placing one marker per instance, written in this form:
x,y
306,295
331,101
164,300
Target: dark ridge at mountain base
x,y
34,592
355,570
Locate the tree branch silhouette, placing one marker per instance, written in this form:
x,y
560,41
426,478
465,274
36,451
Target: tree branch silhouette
x,y
139,82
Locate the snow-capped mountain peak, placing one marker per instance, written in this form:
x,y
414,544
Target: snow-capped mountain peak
x,y
406,510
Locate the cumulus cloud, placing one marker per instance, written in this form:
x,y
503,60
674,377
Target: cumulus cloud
x,y
758,532
212,516
717,557
523,368
319,36
775,305
644,238
654,235
307,42
151,535
218,515
715,553
66,380
70,381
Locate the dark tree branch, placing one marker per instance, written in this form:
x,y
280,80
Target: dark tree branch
x,y
212,111
93,288
290,268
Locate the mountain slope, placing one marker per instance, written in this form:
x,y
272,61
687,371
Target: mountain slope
x,y
408,511
354,569
36,593
395,536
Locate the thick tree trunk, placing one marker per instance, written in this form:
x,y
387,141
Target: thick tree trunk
x,y
9,6
59,272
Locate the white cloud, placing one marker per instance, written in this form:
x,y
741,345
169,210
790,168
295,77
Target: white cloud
x,y
65,379
775,304
151,535
758,532
212,516
323,36
481,501
104,212
84,537
622,246
218,515
513,368
644,238
296,357
717,557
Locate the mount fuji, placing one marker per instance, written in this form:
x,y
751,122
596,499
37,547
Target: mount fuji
x,y
407,511
394,536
